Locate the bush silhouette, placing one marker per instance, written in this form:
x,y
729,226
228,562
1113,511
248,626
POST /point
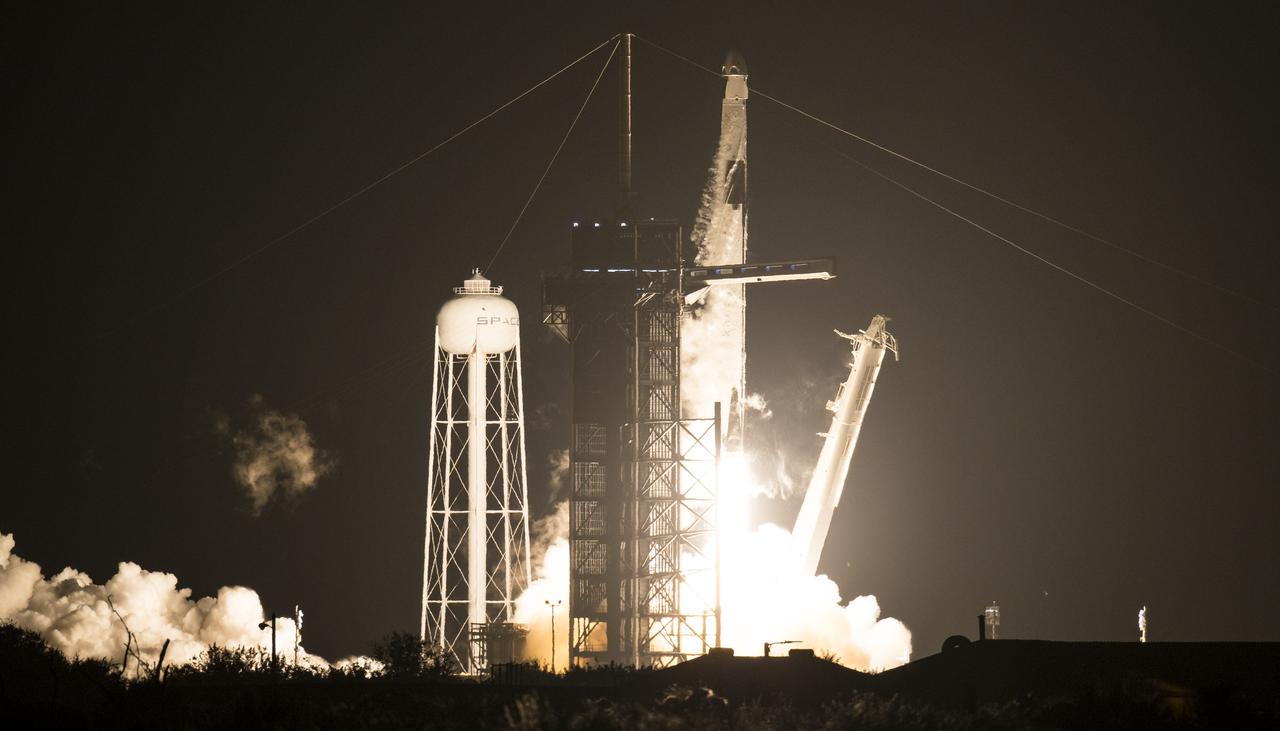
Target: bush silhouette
x,y
404,655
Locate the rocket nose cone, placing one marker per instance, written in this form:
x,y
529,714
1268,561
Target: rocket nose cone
x,y
734,65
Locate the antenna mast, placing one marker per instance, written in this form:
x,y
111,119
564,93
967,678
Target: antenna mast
x,y
626,197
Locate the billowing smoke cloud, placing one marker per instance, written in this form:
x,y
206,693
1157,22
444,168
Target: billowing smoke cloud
x,y
558,464
756,404
75,615
713,326
766,599
715,323
276,456
550,584
542,417
550,546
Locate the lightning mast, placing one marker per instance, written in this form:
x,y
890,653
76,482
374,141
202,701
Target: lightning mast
x,y
848,410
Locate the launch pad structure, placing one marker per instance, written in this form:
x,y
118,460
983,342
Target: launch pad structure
x,y
644,583
642,504
643,520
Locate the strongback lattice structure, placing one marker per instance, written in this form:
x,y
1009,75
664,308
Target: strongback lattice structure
x,y
643,500
477,538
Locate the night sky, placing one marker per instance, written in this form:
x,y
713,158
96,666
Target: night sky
x,y
1039,444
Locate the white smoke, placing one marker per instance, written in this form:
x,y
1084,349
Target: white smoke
x,y
276,456
766,599
550,584
756,403
550,587
558,464
75,615
359,666
786,481
715,324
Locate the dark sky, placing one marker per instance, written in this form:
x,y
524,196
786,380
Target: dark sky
x,y
1039,444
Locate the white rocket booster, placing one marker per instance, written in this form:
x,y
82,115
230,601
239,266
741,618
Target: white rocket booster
x,y
731,164
849,409
721,238
733,173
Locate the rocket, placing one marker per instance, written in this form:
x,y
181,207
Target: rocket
x,y
733,135
727,237
848,411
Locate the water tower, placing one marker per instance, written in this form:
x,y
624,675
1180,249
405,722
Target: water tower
x,y
476,559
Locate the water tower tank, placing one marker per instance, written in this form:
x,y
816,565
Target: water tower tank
x,y
478,319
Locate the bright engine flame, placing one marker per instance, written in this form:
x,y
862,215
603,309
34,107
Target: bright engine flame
x,y
765,597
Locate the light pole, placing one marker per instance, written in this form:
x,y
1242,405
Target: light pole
x,y
272,624
553,606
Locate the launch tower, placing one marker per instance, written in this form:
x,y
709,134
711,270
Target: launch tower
x,y
642,506
643,502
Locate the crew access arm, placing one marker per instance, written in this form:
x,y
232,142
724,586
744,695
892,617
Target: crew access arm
x,y
849,408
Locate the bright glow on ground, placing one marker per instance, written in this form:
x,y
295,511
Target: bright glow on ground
x,y
765,598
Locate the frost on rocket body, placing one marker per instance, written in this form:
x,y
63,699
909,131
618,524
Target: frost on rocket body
x,y
73,615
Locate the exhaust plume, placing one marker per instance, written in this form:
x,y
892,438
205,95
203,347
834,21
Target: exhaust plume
x,y
74,615
550,586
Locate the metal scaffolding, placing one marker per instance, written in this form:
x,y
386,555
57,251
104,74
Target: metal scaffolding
x,y
477,405
643,498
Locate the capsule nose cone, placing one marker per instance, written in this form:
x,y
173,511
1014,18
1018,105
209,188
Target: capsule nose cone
x,y
734,65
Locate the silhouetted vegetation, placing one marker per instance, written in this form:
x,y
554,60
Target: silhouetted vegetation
x,y
404,655
416,687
